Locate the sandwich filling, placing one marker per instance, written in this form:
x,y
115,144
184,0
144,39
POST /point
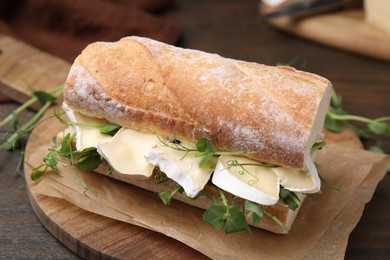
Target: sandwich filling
x,y
136,153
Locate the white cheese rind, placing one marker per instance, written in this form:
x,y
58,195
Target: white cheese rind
x,y
183,169
312,169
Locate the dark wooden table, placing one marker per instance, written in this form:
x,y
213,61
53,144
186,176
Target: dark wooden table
x,y
230,28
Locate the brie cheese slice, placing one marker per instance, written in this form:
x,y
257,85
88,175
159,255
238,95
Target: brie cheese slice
x,y
261,184
183,169
254,183
86,134
296,180
125,152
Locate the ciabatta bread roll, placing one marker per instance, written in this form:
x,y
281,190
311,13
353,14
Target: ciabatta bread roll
x,y
273,114
276,113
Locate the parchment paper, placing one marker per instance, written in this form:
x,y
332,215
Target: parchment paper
x,y
320,231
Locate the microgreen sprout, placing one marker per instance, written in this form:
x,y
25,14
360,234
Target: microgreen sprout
x,y
88,159
46,98
337,118
159,176
109,129
231,217
318,146
242,171
327,183
289,198
257,211
167,195
204,149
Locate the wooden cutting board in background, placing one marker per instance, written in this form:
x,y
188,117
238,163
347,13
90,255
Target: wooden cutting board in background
x,y
23,67
347,30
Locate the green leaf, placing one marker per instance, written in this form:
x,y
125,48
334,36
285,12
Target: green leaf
x,y
289,198
205,160
318,146
88,149
35,175
236,221
89,162
336,100
44,97
333,125
159,176
109,129
66,147
253,207
376,149
378,127
204,145
256,210
51,160
167,195
215,216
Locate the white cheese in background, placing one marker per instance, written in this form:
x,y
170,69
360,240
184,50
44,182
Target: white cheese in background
x,y
125,152
182,169
86,136
260,186
274,3
377,13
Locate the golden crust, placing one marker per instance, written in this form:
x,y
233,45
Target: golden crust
x,y
139,83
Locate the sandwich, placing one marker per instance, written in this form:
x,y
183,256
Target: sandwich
x,y
224,135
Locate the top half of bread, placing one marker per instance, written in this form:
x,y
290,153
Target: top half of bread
x,y
275,113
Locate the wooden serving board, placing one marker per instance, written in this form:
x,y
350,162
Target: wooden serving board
x,y
347,30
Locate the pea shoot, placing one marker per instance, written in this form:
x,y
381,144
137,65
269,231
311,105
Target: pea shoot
x,y
228,216
46,99
337,118
88,160
204,149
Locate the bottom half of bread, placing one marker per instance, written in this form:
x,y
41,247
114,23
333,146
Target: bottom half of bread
x,y
280,210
